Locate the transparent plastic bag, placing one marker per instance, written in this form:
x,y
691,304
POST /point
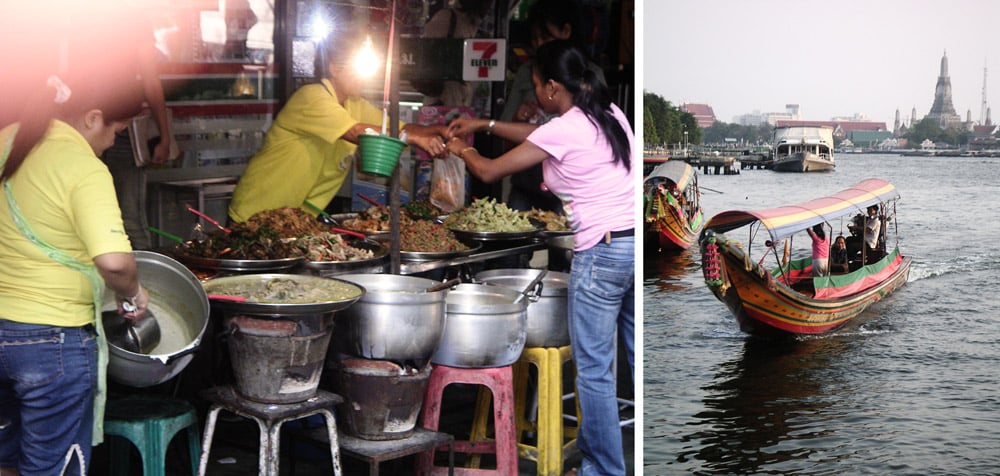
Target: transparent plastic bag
x,y
448,183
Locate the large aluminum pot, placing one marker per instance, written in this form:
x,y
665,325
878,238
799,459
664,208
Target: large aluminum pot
x,y
180,305
395,319
560,250
486,326
548,320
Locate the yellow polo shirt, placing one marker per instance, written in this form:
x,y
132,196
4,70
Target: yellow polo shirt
x,y
66,194
303,156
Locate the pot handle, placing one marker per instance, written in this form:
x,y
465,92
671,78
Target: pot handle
x,y
534,289
180,354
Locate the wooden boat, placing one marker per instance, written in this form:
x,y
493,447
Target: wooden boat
x,y
672,205
803,149
786,299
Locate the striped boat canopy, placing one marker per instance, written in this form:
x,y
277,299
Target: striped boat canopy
x,y
785,221
676,171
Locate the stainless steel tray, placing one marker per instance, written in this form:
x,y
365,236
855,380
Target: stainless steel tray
x,y
236,265
223,286
415,256
379,252
494,235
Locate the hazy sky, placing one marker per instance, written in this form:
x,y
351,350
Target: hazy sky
x,y
831,58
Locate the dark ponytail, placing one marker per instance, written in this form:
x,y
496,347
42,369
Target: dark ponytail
x,y
88,78
563,63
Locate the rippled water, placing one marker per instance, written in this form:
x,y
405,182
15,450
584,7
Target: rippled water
x,y
912,388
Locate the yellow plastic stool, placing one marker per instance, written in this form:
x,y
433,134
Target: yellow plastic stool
x,y
551,433
150,423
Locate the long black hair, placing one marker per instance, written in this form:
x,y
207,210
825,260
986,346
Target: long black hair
x,y
563,63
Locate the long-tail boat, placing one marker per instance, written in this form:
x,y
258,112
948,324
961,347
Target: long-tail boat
x,y
785,298
673,214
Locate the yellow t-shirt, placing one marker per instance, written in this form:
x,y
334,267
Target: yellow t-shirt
x,y
67,195
303,157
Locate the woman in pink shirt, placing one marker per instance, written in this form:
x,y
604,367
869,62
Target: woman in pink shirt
x,y
587,161
820,250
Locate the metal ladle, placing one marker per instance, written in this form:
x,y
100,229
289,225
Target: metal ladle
x,y
139,337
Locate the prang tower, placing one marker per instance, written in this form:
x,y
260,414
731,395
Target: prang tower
x,y
943,111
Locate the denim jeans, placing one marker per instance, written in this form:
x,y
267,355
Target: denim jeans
x,y
601,302
48,376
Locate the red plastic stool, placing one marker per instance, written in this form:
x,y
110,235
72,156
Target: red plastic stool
x,y
500,381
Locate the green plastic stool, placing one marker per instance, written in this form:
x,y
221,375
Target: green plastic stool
x,y
150,423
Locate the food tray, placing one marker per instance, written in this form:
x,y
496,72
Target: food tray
x,y
340,217
436,255
220,286
235,265
494,235
379,252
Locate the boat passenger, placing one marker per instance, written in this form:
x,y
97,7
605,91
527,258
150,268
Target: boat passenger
x,y
820,250
586,155
838,256
873,227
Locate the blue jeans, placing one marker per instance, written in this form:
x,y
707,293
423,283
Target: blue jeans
x,y
601,302
48,376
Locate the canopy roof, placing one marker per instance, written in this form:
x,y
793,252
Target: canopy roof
x,y
676,171
790,219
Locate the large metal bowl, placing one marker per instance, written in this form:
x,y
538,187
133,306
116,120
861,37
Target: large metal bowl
x,y
222,287
548,319
395,319
180,305
484,327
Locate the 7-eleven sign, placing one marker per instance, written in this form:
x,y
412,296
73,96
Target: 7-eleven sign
x,y
484,59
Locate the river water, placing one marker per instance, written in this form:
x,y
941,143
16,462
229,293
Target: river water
x,y
911,388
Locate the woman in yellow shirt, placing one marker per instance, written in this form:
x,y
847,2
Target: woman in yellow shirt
x,y
309,149
61,242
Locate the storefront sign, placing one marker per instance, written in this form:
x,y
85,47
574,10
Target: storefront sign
x,y
484,59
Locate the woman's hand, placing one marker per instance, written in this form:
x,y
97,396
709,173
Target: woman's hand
x,y
528,111
464,126
456,145
433,144
134,307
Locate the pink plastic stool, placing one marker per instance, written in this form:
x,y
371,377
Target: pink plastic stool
x,y
500,381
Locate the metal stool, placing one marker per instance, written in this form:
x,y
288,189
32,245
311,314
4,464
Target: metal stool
x,y
551,434
269,418
150,423
500,381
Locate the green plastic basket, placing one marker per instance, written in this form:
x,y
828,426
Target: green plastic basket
x,y
379,154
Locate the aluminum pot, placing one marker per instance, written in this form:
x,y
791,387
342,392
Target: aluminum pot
x,y
395,319
485,326
181,307
548,319
560,250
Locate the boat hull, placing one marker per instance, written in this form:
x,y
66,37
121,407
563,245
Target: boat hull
x,y
803,162
672,229
764,305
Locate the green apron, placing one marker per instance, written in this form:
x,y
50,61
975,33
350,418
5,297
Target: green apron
x,y
97,287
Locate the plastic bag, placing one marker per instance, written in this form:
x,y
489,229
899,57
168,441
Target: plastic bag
x,y
448,183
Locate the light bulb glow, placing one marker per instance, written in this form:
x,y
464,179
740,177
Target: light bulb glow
x,y
366,62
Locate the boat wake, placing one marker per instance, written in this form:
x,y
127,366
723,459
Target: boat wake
x,y
956,265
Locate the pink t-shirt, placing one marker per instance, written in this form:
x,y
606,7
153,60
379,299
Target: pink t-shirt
x,y
598,194
820,246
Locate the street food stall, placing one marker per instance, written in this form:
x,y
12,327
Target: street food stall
x,y
382,238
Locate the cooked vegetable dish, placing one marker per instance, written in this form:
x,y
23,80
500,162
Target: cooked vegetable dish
x,y
486,215
427,236
285,290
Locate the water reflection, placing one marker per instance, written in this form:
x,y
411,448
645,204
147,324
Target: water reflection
x,y
774,392
667,269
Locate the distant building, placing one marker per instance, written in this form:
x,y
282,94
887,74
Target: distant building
x,y
703,114
842,129
943,110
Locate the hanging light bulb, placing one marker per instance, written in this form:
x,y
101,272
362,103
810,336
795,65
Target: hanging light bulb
x,y
366,61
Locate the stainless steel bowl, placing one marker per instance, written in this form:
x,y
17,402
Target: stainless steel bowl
x,y
486,326
395,319
548,320
180,304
